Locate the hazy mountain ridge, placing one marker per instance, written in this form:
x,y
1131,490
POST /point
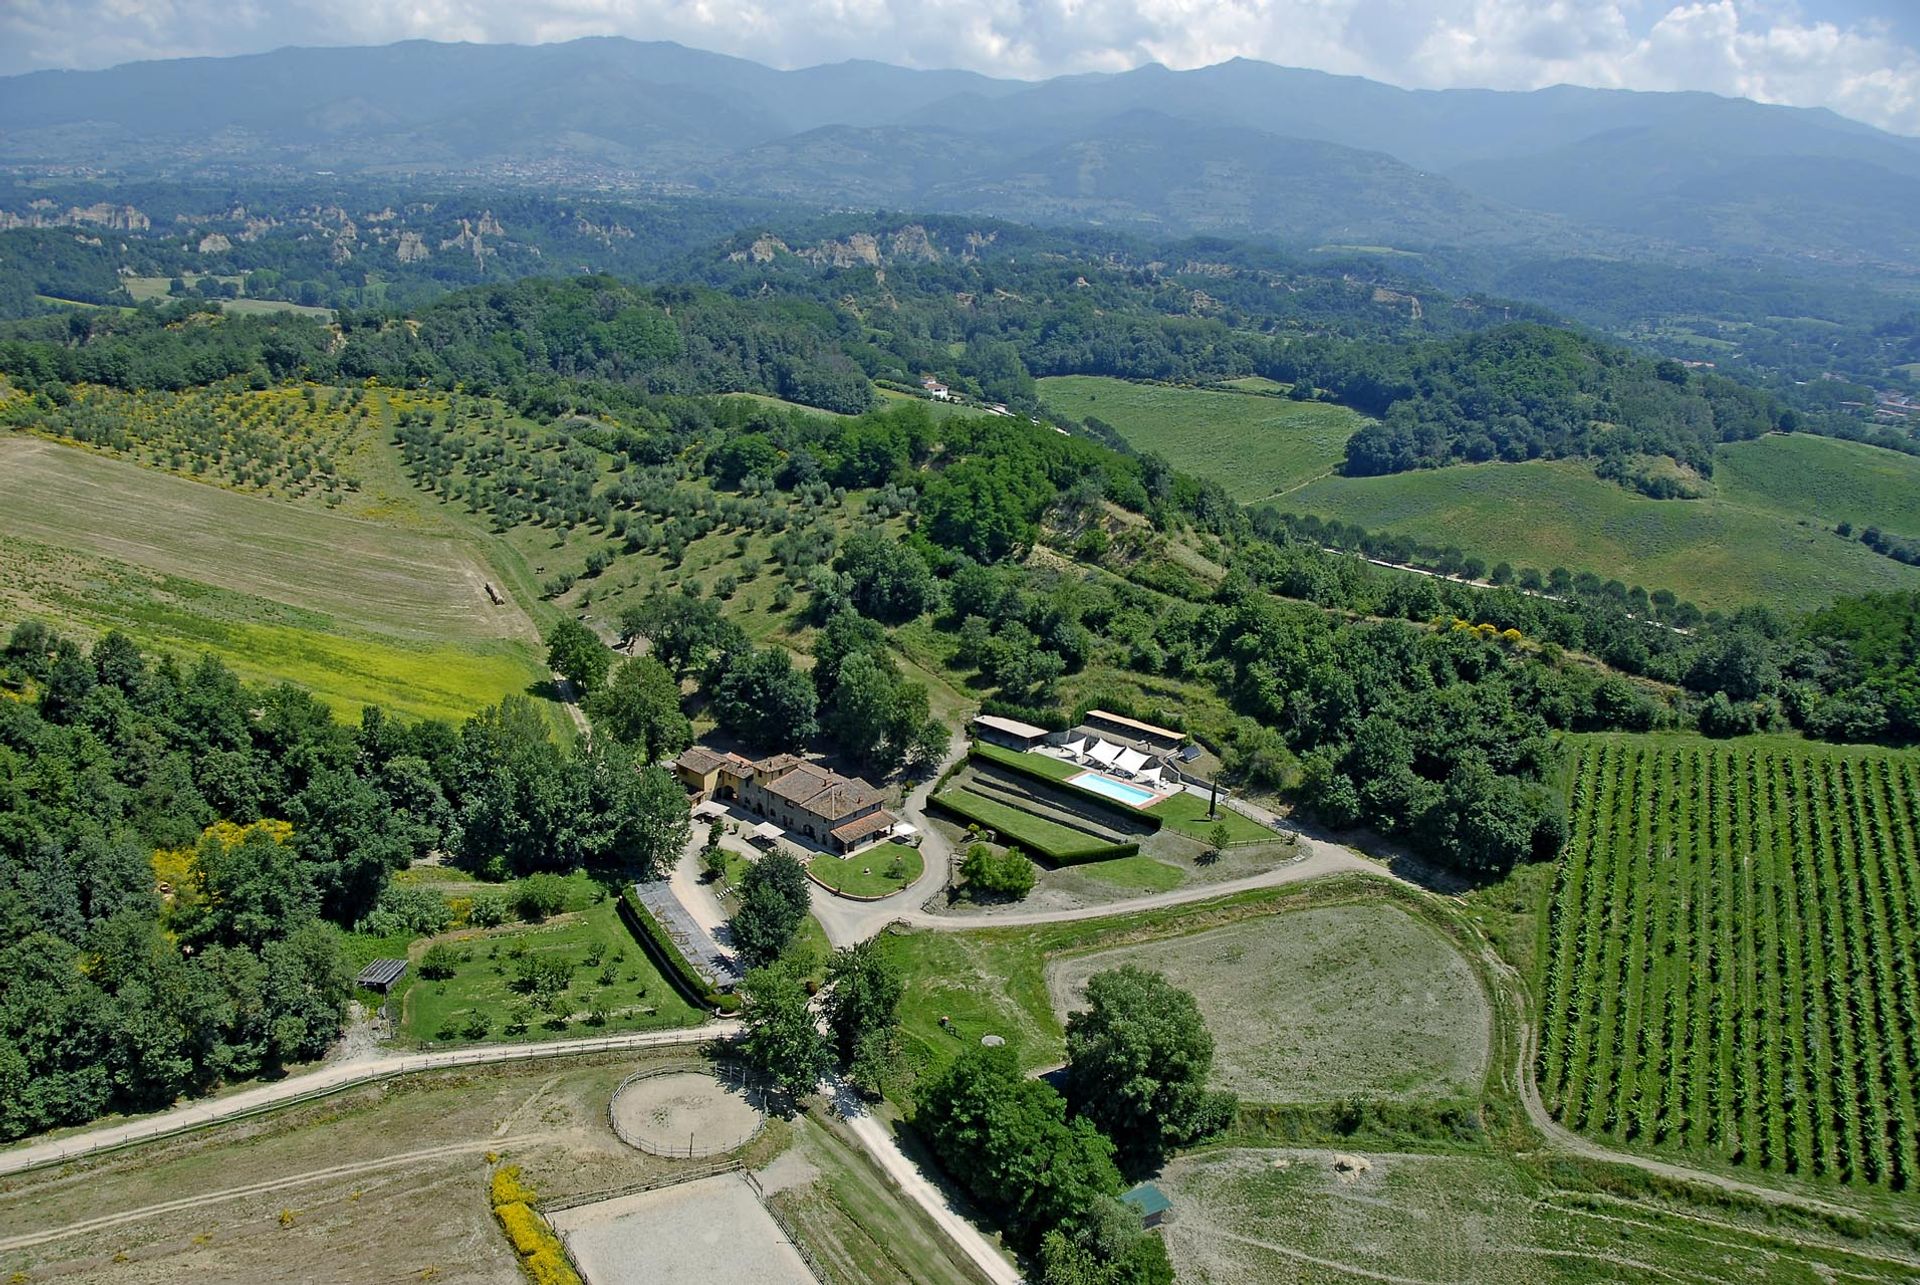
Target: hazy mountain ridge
x,y
1241,148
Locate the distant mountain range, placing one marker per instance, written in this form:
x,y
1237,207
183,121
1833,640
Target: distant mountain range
x,y
1243,148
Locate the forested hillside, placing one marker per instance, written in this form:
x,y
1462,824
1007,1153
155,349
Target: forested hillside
x,y
179,854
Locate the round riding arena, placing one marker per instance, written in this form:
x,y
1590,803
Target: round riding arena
x,y
688,1111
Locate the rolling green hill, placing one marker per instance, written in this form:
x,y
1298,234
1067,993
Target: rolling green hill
x,y
1764,535
1257,447
1736,547
1832,481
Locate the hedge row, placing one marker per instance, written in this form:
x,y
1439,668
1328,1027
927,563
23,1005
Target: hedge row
x,y
666,956
1023,764
1035,837
540,1253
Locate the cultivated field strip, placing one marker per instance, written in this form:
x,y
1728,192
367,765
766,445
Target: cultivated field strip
x,y
1731,964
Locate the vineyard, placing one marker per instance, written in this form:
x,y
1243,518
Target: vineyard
x,y
1731,963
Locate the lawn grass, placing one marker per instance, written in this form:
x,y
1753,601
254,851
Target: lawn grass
x,y
1721,552
1255,446
1036,834
865,873
625,986
1187,814
1044,764
1136,873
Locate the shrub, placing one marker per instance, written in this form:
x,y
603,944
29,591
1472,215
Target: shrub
x,y
410,911
1004,874
439,962
507,1189
489,910
523,1227
539,896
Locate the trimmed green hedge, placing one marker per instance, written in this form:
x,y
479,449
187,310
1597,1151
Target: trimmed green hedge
x,y
1055,772
1057,843
666,956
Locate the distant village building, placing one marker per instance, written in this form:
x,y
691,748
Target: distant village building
x,y
936,390
840,813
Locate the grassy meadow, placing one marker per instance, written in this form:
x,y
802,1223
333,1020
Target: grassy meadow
x,y
1825,479
1763,535
1257,447
357,611
1735,547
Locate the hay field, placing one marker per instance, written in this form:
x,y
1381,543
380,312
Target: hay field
x,y
1255,1217
1320,1004
354,610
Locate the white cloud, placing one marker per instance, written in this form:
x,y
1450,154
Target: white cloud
x,y
1771,50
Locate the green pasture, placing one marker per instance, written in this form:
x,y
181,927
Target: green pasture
x,y
1822,478
1722,552
1257,447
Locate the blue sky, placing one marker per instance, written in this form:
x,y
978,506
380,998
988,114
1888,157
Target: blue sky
x,y
1857,57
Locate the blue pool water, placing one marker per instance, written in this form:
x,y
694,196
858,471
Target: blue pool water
x,y
1133,796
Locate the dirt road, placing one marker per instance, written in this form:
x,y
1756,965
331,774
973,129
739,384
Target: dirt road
x,y
325,1079
885,1149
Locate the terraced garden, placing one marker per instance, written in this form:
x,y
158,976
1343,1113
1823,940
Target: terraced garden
x,y
1730,963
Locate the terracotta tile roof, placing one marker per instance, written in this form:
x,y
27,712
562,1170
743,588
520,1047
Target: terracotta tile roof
x,y
699,760
861,827
772,769
798,784
825,794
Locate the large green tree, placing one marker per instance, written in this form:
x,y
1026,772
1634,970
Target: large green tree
x,y
640,707
773,903
862,1010
576,653
1138,1058
760,696
782,1041
1006,1138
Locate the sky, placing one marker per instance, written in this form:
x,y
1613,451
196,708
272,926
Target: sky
x,y
1860,58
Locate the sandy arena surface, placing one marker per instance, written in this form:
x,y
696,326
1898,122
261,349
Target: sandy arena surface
x,y
710,1232
687,1111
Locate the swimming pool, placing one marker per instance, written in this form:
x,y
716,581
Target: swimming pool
x,y
1134,796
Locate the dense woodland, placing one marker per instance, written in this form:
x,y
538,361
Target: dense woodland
x,y
179,854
